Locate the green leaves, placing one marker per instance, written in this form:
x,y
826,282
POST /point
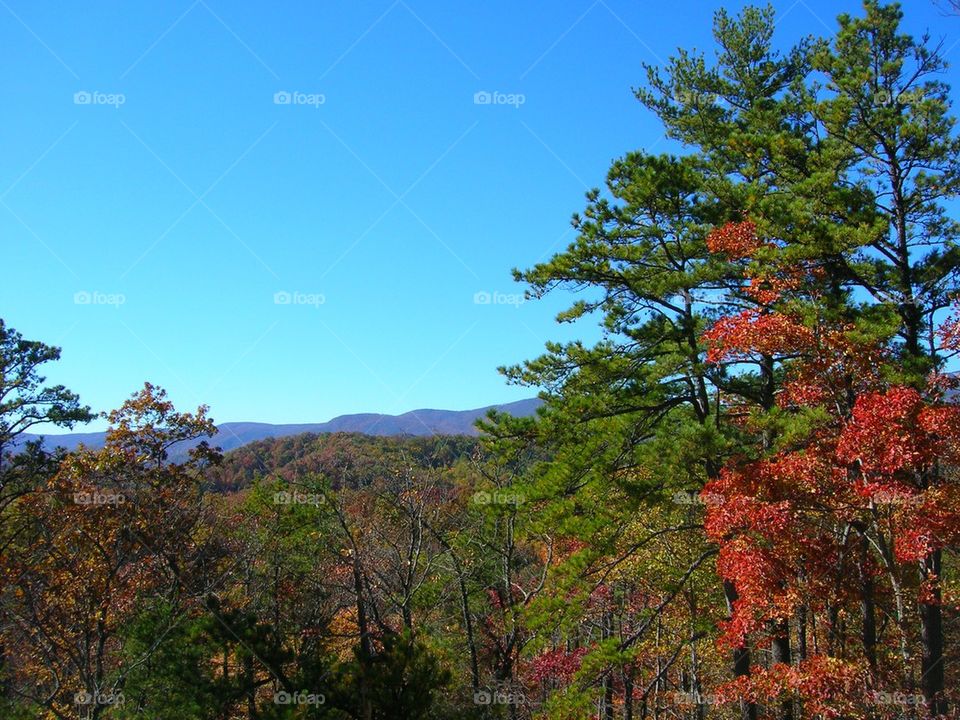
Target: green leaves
x,y
24,400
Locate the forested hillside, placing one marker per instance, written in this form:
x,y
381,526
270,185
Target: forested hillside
x,y
351,458
743,501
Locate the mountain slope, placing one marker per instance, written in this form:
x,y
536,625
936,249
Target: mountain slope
x,y
344,459
236,434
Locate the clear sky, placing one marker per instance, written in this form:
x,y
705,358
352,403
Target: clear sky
x,y
287,210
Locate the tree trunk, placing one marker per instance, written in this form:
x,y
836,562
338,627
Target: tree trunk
x,y
468,627
366,647
867,604
4,680
780,653
833,631
931,638
741,655
802,633
251,687
606,711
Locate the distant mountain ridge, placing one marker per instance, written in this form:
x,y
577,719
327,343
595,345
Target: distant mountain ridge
x,y
232,435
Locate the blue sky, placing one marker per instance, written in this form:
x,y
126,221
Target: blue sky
x,y
166,216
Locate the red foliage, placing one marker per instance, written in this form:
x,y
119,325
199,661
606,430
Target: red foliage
x,y
950,331
789,514
767,290
557,665
835,366
776,554
753,333
736,240
828,687
898,432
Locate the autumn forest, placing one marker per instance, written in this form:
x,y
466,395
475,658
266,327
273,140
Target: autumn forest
x,y
742,502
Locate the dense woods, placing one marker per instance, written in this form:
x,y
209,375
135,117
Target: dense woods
x,y
743,502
